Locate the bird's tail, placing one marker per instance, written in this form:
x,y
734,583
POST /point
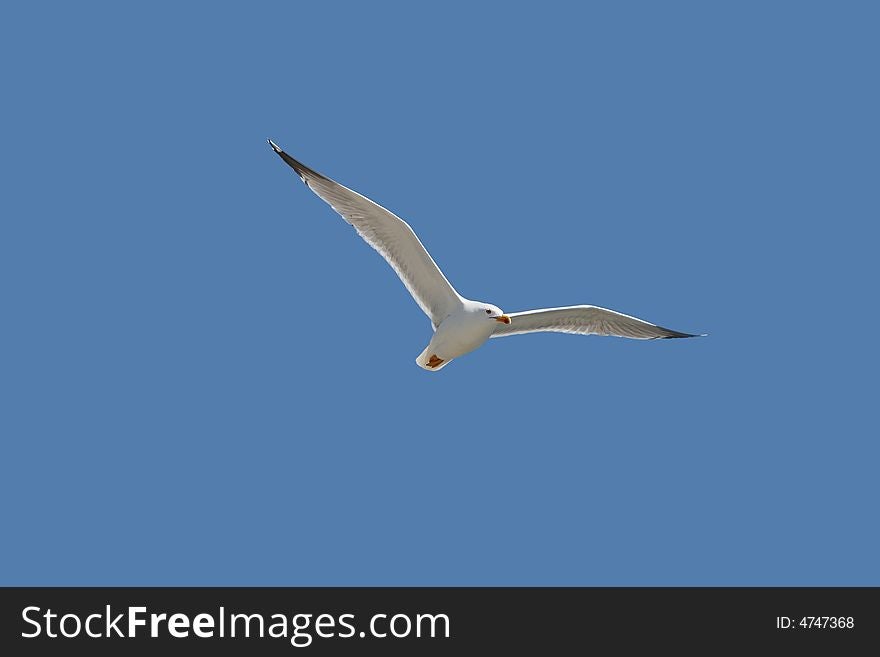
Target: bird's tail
x,y
428,360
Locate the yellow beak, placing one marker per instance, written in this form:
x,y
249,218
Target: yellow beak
x,y
504,319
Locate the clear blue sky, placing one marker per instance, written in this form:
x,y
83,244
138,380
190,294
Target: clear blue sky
x,y
170,416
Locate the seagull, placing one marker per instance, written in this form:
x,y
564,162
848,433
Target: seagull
x,y
460,325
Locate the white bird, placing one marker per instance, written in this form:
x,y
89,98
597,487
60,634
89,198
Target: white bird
x,y
460,325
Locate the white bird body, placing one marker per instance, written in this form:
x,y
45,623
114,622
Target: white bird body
x,y
463,331
460,325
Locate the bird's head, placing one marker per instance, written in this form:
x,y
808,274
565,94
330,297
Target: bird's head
x,y
494,313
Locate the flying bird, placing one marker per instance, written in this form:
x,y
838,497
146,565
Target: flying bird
x,y
460,325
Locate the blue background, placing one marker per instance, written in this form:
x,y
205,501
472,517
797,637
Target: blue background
x,y
207,378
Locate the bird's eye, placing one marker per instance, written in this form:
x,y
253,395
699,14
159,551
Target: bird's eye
x,y
488,312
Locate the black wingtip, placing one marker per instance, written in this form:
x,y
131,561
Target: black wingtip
x,y
301,169
684,335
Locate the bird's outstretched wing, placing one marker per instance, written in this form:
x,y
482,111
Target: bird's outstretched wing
x,y
586,320
391,236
